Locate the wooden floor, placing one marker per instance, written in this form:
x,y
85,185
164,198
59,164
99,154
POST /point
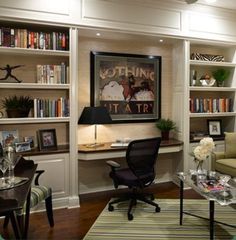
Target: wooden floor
x,y
74,223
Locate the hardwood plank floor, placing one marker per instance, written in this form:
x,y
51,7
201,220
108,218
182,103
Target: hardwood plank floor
x,y
75,223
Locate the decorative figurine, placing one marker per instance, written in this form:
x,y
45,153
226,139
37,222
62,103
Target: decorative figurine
x,y
9,69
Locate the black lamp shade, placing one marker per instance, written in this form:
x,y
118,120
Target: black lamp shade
x,y
95,115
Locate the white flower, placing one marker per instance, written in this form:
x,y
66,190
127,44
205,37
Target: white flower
x,y
208,143
202,152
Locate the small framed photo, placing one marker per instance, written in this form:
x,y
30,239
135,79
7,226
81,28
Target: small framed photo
x,y
9,137
47,139
22,147
214,127
30,139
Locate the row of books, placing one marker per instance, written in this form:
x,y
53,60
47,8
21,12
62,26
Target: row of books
x,y
52,74
209,105
51,108
24,38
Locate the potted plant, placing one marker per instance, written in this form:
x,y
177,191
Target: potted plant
x,y
165,126
17,107
220,76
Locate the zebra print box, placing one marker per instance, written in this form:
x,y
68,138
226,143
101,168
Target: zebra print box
x,y
207,57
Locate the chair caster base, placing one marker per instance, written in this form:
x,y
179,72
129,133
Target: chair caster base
x,y
110,208
158,209
130,217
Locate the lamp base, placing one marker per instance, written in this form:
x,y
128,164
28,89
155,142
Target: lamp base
x,y
95,145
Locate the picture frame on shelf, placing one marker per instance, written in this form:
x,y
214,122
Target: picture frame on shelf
x,y
30,139
9,137
214,127
22,147
47,139
128,85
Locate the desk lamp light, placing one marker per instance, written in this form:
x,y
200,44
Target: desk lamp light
x,y
95,115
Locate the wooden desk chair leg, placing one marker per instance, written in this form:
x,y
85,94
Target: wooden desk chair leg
x,y
27,214
6,221
48,204
15,225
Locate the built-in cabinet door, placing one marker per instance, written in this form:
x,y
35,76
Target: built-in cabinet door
x,y
56,173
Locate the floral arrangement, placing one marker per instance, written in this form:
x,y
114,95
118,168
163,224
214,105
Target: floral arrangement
x,y
203,151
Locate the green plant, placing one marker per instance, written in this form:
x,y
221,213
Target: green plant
x,y
165,125
221,75
14,102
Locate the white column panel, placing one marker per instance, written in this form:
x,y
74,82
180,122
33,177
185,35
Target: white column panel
x,y
43,10
52,6
120,14
211,26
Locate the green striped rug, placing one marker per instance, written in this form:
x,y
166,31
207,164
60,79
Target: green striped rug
x,y
164,225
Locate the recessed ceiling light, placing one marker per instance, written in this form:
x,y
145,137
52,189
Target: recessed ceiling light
x,y
161,40
98,34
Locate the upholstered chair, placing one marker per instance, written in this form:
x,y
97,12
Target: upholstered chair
x,y
38,194
225,161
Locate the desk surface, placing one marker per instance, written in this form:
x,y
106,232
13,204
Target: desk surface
x,y
106,151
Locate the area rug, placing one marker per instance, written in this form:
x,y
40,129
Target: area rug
x,y
147,224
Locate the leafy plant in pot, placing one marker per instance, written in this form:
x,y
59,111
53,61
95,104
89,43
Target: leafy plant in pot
x,y
17,107
220,76
165,126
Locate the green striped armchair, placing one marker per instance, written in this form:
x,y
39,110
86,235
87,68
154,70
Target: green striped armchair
x,y
38,194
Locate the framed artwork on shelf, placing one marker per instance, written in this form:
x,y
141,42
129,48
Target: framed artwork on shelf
x,y
23,147
9,137
30,139
214,127
47,139
128,85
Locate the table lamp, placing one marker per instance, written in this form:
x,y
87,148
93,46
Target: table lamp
x,y
95,115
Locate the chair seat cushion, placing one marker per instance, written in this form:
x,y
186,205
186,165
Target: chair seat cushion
x,y
39,193
127,178
226,166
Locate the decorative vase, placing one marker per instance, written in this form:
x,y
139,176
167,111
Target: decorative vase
x,y
220,84
199,166
17,113
165,135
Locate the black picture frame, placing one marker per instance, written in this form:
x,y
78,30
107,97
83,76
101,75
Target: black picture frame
x,y
47,139
128,85
214,127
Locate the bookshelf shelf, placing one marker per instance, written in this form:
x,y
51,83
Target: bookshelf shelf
x,y
29,51
212,89
34,120
219,114
33,86
210,63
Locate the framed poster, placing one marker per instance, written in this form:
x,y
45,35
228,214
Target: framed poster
x,y
128,85
214,127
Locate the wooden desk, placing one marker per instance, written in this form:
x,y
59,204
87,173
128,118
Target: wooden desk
x,y
13,199
108,152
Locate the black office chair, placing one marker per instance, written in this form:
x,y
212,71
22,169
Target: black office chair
x,y
141,157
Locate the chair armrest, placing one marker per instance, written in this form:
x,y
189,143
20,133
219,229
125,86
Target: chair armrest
x,y
38,174
215,156
113,164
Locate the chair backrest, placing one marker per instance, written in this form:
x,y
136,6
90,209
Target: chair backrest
x,y
141,157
